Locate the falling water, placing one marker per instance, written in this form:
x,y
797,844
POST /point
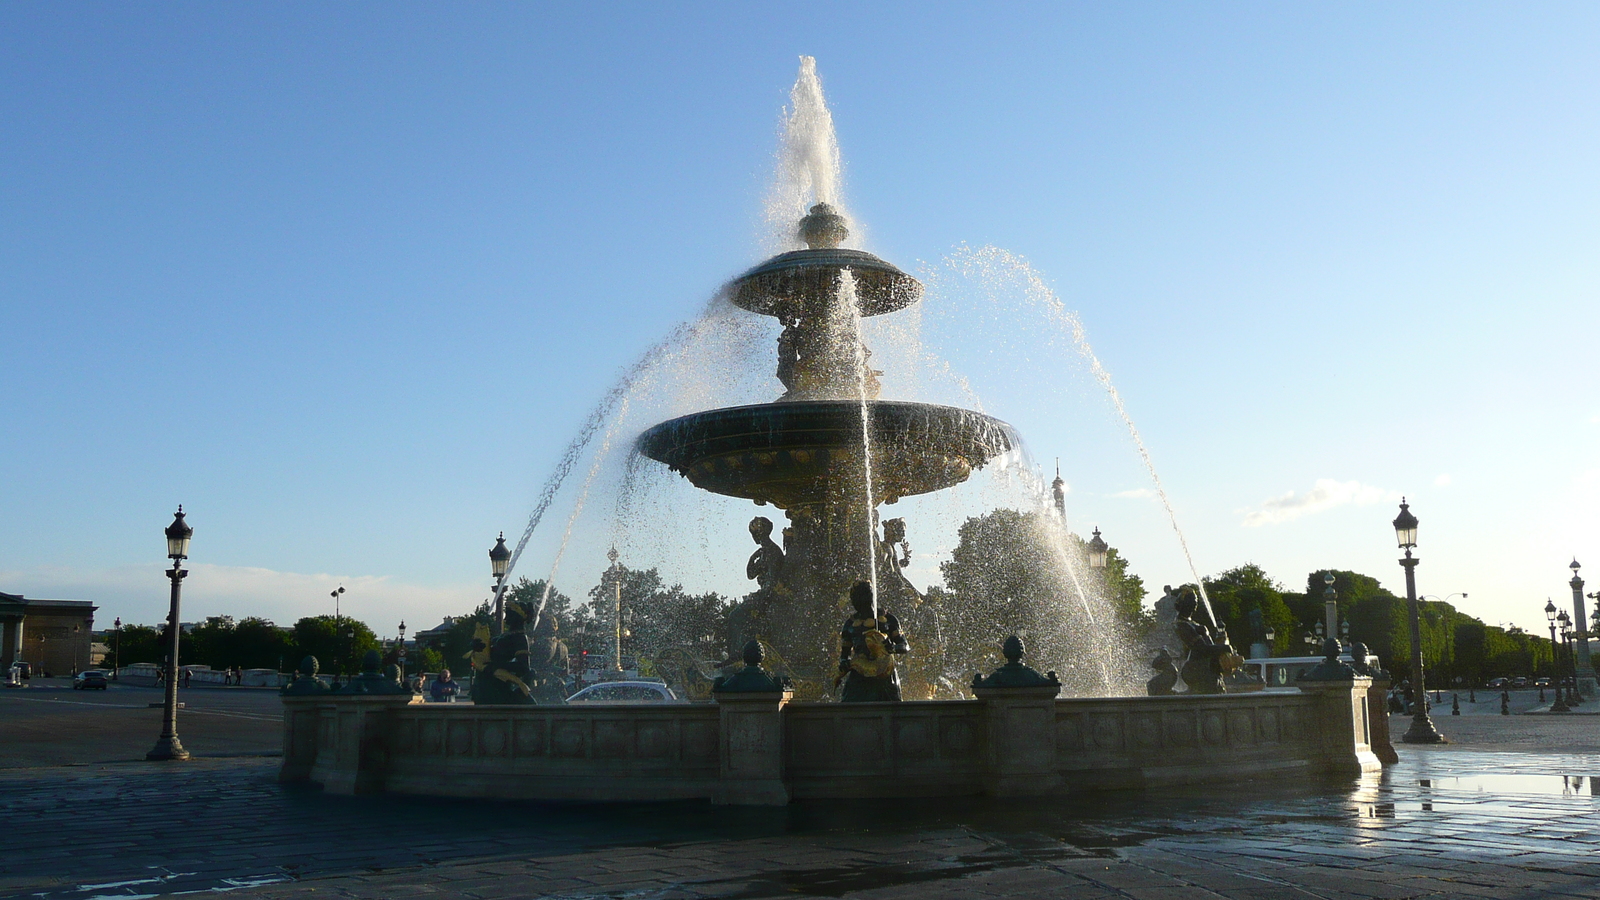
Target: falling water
x,y
583,498
808,167
674,345
990,258
850,311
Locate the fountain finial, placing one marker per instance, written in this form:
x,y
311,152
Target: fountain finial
x,y
823,229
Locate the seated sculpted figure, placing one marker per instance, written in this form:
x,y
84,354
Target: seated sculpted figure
x,y
868,644
503,677
766,563
1207,654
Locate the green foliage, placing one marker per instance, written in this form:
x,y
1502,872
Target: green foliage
x,y
655,617
457,641
1009,574
1248,602
222,643
141,644
331,643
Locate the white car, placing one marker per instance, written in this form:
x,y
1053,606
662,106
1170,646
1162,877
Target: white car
x,y
630,692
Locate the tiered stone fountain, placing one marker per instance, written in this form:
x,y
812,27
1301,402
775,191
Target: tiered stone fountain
x,y
827,452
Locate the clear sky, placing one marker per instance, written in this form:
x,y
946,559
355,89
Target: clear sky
x,y
344,279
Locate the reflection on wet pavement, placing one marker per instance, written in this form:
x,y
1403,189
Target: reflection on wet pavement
x,y
227,826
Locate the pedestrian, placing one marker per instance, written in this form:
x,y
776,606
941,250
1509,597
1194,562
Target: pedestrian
x,y
183,678
445,688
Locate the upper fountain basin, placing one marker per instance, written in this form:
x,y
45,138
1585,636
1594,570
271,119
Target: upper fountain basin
x,y
804,452
791,285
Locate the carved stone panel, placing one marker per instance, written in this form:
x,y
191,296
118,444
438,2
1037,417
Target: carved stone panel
x,y
494,738
459,742
530,737
430,737
613,738
570,739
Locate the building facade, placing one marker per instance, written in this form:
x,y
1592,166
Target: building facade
x,y
54,635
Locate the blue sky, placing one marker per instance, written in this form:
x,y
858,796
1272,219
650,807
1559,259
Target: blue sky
x,y
345,279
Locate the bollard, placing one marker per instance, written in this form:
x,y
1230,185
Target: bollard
x,y
1505,703
1455,704
1472,695
1541,693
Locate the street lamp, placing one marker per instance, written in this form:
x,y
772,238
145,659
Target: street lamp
x,y
1583,668
1330,605
402,652
1098,550
1560,706
167,745
116,650
1422,730
500,564
1271,636
616,581
1564,622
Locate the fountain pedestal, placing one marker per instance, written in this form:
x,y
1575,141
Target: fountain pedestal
x,y
752,749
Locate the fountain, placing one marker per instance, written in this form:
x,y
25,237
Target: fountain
x,y
828,452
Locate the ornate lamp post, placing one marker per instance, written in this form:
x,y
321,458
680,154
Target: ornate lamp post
x,y
116,650
1560,706
616,581
402,650
168,746
1421,730
1271,636
1330,606
1584,677
1565,623
1098,550
499,564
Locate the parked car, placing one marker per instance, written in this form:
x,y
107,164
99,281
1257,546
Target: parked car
x,y
88,680
626,692
1541,682
1498,684
1520,681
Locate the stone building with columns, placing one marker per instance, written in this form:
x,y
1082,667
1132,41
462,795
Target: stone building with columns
x,y
54,635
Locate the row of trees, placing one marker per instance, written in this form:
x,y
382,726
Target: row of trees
x,y
1454,644
1011,572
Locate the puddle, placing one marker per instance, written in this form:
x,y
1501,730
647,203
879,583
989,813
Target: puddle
x,y
1574,786
165,883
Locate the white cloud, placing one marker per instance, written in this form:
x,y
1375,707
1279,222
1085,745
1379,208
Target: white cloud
x,y
1325,494
1136,494
140,594
1443,480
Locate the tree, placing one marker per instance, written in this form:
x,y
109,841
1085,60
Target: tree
x,y
1248,602
330,642
1021,573
654,617
141,644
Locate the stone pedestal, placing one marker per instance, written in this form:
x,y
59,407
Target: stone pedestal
x,y
1378,722
1021,746
349,753
752,748
1344,726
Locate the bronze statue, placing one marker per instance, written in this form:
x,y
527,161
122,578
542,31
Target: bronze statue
x,y
1207,655
548,663
766,563
868,644
1165,682
503,677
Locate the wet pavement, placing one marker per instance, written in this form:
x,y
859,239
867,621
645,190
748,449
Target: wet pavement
x,y
1445,822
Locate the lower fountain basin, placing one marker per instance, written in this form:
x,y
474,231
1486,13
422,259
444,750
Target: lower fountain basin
x,y
800,453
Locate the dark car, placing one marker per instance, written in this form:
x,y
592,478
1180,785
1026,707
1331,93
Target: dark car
x,y
89,679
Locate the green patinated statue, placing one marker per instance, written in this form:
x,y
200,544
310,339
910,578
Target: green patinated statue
x,y
503,675
868,644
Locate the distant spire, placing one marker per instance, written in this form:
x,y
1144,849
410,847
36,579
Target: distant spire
x,y
1059,489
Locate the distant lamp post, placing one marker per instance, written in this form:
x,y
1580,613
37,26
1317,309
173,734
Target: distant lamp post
x,y
1271,636
168,746
1583,676
1568,645
1344,630
116,650
1330,606
1098,551
500,564
402,651
1422,730
616,581
1560,706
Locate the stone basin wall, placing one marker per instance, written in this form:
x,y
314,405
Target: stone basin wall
x,y
763,749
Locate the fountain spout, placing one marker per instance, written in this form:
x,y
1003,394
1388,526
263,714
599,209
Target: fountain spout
x,y
823,229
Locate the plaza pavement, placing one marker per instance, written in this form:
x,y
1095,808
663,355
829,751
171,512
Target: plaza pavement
x,y
1510,810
